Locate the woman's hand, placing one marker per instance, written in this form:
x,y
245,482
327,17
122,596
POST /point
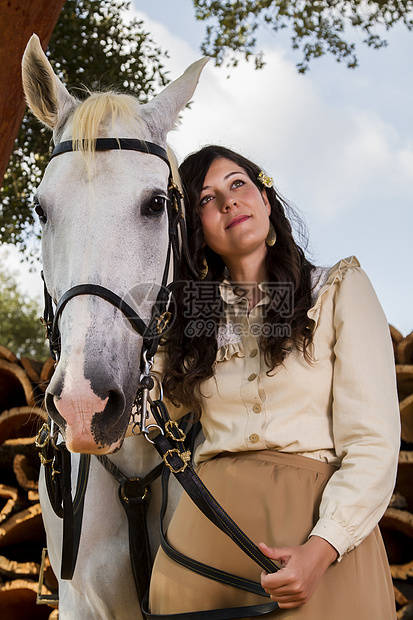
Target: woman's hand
x,y
302,569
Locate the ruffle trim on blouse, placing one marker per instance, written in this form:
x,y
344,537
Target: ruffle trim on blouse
x,y
335,274
226,352
229,343
319,277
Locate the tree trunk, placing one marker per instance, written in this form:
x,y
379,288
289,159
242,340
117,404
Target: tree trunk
x,y
19,19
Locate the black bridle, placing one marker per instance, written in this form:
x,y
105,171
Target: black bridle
x,y
176,232
55,457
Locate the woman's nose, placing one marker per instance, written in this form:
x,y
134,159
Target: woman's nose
x,y
229,203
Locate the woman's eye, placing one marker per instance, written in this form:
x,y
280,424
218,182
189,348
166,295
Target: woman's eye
x,y
238,183
204,200
40,211
156,204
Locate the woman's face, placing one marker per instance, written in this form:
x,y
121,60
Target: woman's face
x,y
233,211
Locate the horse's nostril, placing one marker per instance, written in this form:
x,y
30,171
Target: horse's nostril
x,y
52,410
116,401
109,426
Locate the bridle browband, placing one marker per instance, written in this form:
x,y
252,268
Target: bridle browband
x,y
151,332
114,144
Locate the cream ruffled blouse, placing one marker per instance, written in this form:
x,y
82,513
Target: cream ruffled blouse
x,y
342,409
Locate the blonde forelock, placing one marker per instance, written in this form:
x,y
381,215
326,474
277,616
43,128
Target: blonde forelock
x,y
96,112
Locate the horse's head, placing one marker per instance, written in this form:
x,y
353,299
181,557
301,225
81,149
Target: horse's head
x,y
104,221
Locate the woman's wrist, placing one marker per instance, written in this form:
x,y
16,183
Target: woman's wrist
x,y
327,554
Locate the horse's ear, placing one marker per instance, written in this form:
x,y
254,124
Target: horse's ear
x,y
45,94
165,107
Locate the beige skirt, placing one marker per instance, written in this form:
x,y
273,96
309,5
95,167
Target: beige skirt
x,y
274,497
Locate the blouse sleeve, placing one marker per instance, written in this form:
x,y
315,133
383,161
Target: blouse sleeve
x,y
366,419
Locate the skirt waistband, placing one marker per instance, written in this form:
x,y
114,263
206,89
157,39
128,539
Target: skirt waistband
x,y
282,458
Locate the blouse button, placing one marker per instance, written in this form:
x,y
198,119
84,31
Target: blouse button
x,y
254,353
254,438
256,408
252,376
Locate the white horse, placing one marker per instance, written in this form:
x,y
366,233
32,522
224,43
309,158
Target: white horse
x,y
104,222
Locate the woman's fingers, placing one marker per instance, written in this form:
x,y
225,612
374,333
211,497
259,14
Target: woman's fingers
x,y
302,568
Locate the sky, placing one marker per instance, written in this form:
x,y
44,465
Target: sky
x,y
338,142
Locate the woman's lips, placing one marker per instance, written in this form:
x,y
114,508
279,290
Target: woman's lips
x,y
237,220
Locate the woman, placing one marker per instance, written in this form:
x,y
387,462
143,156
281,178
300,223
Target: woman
x,y
291,371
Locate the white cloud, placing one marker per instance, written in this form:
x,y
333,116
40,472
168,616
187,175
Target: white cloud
x,y
181,53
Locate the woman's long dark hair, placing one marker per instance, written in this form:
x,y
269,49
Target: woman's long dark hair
x,y
192,350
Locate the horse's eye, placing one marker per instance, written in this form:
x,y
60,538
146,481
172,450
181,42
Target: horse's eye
x,y
39,210
156,204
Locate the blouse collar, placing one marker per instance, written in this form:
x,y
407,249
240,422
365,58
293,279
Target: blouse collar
x,y
232,295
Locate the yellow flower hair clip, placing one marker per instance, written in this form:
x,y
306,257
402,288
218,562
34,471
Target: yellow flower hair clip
x,y
265,180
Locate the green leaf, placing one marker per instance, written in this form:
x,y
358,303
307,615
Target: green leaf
x,y
317,27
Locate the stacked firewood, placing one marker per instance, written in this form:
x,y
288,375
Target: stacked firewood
x,y
397,523
22,537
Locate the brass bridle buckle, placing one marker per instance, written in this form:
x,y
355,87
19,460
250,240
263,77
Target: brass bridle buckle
x,y
184,456
42,437
41,441
172,430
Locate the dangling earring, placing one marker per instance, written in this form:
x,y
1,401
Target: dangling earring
x,y
204,271
271,238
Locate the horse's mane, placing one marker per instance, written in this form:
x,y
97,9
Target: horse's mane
x,y
100,111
